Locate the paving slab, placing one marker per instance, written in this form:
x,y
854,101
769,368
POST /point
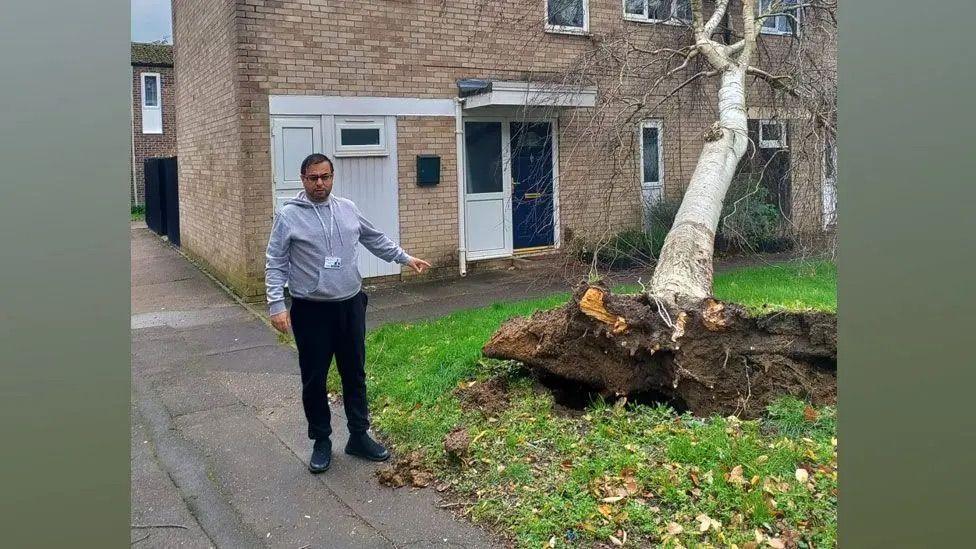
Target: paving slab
x,y
160,517
270,486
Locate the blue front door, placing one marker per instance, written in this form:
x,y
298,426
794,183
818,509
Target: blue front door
x,y
532,201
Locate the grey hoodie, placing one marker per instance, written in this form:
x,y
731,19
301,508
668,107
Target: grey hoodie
x,y
304,234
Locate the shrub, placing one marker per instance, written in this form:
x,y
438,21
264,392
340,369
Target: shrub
x,y
750,220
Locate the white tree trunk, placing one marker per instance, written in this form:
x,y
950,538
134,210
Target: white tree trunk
x,y
685,266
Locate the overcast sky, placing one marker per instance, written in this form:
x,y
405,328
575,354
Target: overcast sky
x,y
151,21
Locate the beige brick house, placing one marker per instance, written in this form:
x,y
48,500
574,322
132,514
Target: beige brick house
x,y
153,110
411,97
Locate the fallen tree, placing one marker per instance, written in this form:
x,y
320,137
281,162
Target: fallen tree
x,y
675,339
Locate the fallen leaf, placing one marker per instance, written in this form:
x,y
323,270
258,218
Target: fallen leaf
x,y
552,541
615,540
776,543
631,487
802,475
612,499
605,510
674,528
702,522
735,476
810,414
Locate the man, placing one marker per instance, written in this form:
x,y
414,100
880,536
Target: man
x,y
314,247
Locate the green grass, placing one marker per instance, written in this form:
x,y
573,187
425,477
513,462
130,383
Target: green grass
x,y
538,475
795,286
138,213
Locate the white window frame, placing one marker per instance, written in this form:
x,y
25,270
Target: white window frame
x,y
828,189
783,21
673,20
562,29
156,109
772,143
361,123
659,125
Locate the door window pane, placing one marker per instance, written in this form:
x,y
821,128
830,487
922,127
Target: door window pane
x,y
483,148
651,145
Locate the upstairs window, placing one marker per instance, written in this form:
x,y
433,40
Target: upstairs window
x,y
658,11
568,16
783,16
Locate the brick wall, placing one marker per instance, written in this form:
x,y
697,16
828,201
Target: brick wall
x,y
419,49
148,145
428,215
213,186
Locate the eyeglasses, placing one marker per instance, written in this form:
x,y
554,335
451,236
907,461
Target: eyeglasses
x,y
314,178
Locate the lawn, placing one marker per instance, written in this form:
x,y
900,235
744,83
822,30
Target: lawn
x,y
634,475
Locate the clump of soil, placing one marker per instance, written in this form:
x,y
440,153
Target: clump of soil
x,y
457,443
710,356
406,470
490,396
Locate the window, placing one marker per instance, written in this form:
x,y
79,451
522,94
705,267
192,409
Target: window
x,y
651,160
152,118
772,134
358,136
786,20
483,151
150,90
568,16
671,11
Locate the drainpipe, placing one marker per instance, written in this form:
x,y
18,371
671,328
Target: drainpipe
x,y
459,137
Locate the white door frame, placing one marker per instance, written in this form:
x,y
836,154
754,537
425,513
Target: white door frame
x,y
506,193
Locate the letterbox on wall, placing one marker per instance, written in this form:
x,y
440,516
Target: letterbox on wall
x,y
428,170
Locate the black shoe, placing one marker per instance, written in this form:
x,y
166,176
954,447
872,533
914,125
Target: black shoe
x,y
365,447
321,456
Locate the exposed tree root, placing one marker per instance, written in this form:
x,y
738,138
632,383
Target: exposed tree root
x,y
713,357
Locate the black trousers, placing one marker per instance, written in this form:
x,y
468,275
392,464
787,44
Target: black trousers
x,y
324,329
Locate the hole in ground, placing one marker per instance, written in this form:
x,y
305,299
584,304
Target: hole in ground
x,y
575,395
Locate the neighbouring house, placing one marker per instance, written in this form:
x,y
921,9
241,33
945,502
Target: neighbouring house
x,y
153,111
413,98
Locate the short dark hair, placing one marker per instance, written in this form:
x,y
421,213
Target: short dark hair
x,y
316,158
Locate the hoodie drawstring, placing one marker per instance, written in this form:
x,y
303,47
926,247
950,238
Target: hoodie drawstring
x,y
332,224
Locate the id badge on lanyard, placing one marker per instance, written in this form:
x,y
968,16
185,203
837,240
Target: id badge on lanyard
x,y
332,262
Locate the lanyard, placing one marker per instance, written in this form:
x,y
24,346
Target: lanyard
x,y
328,233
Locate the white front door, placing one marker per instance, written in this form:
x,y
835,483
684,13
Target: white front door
x,y
367,177
488,188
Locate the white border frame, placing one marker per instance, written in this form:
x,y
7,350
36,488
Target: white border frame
x,y
303,105
673,20
828,222
772,143
159,90
562,29
366,123
659,124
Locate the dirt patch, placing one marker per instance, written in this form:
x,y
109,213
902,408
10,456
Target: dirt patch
x,y
490,396
406,470
711,357
457,443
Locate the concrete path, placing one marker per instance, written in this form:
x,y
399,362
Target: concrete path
x,y
219,447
